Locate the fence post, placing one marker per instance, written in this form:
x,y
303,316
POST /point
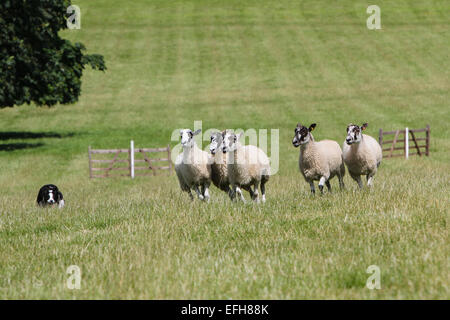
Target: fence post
x,y
380,137
132,159
427,148
406,143
90,162
169,158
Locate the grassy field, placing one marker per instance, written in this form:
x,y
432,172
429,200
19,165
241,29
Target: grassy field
x,y
239,64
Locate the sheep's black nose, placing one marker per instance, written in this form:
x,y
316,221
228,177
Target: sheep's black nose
x,y
349,140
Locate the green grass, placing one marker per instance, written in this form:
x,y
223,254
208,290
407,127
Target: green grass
x,y
239,64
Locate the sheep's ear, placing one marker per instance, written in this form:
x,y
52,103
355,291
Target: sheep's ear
x,y
299,125
197,132
311,127
238,136
364,126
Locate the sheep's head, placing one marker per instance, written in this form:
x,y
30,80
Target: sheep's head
x,y
187,137
216,142
302,134
230,141
354,133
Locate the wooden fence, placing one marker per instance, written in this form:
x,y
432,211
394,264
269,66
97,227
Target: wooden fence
x,y
126,160
407,140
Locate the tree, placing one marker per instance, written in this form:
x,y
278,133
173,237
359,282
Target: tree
x,y
36,65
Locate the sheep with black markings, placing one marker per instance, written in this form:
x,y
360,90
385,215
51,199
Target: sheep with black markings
x,y
362,154
193,166
219,168
318,161
248,166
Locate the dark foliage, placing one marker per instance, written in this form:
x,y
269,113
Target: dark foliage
x,y
36,65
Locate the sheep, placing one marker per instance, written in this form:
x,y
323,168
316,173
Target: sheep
x,y
193,166
362,154
318,161
219,170
247,166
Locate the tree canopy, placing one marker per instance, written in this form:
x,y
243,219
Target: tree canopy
x,y
36,64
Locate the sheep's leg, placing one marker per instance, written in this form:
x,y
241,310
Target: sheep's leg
x,y
341,182
321,183
239,193
205,192
358,180
199,194
190,194
327,183
369,181
256,193
311,185
263,192
234,193
230,193
249,189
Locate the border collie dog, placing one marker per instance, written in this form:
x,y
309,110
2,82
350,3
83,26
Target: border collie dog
x,y
50,195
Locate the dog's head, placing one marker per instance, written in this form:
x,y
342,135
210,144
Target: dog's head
x,y
48,195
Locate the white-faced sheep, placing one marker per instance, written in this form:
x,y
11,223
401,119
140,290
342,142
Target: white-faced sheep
x,y
248,166
362,154
193,166
219,170
319,161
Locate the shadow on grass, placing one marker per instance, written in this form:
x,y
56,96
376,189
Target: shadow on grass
x,y
32,135
18,146
23,135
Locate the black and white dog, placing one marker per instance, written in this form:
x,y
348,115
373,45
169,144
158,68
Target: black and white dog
x,y
50,195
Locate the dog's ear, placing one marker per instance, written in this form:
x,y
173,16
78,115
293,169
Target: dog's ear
x,y
40,195
60,196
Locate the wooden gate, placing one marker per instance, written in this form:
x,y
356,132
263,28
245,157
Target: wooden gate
x,y
403,140
151,163
128,160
